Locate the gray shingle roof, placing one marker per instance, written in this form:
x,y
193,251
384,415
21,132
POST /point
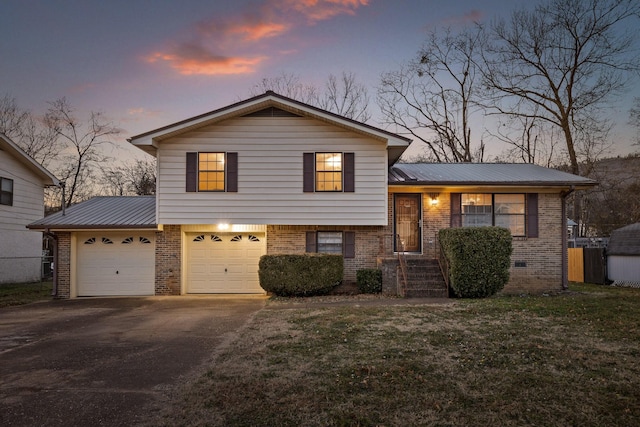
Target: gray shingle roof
x,y
625,241
452,174
104,212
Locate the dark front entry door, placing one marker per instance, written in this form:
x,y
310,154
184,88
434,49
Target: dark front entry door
x,y
407,217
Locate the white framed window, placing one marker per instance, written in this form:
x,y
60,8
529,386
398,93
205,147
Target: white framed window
x,y
501,210
211,171
329,242
510,212
328,171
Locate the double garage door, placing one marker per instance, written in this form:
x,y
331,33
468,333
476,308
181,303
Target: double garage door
x,y
123,263
223,262
111,263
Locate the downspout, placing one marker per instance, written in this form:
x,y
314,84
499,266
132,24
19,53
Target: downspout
x,y
565,246
54,257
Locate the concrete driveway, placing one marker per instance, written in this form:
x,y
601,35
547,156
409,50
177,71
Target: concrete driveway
x,y
108,361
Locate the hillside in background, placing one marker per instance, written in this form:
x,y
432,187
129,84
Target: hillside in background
x,y
615,202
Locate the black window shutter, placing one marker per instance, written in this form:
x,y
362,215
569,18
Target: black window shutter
x,y
311,242
192,172
456,210
308,172
532,214
232,172
349,244
349,172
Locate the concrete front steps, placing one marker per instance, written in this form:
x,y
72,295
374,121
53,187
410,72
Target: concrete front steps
x,y
424,279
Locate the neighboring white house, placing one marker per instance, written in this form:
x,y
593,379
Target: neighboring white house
x,y
623,256
22,183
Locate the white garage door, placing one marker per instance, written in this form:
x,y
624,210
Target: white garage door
x,y
224,262
120,263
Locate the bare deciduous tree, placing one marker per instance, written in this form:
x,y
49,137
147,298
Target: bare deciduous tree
x,y
634,118
346,97
288,85
130,178
438,92
82,144
12,117
560,62
28,132
527,140
342,95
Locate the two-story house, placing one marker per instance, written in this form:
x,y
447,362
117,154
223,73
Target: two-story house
x,y
22,183
272,175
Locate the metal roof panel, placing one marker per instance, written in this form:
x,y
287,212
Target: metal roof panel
x,y
104,212
452,174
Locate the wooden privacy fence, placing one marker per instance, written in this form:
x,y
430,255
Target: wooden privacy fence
x,y
576,265
587,265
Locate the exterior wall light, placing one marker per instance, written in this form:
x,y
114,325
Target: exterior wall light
x,y
223,226
434,198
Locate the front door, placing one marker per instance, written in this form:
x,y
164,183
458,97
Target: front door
x,y
407,221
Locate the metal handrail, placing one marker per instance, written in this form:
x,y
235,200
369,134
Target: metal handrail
x,y
403,265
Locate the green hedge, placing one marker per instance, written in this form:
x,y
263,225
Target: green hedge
x,y
479,259
369,281
300,275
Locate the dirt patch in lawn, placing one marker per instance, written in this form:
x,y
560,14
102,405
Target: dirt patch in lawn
x,y
568,359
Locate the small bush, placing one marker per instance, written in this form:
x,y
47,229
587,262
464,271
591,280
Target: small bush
x,y
369,281
479,259
300,275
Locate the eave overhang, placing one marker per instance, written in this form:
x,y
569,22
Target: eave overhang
x,y
149,141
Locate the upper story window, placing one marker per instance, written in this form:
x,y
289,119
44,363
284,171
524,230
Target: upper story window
x,y
211,171
6,191
328,171
502,210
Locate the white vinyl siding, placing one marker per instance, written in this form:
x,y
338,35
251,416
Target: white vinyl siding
x,y
21,249
623,268
270,175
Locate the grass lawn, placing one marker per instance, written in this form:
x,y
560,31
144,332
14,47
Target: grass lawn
x,y
24,293
564,360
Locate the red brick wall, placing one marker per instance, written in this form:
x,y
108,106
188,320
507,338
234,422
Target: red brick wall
x,y
286,239
63,265
168,260
542,255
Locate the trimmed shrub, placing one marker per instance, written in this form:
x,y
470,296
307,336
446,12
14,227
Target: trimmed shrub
x,y
479,259
369,281
300,275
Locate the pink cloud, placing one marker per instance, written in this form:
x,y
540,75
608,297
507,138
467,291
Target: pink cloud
x,y
319,10
235,45
260,31
205,63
